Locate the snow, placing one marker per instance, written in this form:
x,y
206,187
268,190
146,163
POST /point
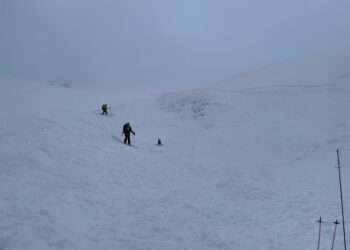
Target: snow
x,y
246,164
321,69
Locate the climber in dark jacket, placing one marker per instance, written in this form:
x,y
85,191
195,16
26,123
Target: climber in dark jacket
x,y
104,109
126,131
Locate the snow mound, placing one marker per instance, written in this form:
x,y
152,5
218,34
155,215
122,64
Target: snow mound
x,y
189,104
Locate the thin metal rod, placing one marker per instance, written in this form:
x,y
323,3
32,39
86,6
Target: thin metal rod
x,y
319,233
341,199
335,230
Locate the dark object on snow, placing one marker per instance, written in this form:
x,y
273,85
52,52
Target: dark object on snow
x,y
159,142
104,109
126,131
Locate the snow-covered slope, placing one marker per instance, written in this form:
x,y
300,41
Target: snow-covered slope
x,y
313,70
240,168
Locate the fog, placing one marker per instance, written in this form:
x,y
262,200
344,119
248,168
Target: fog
x,y
162,44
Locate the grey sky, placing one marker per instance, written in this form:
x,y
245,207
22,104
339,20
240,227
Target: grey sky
x,y
162,42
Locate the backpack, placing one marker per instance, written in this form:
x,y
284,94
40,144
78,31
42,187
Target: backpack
x,y
126,128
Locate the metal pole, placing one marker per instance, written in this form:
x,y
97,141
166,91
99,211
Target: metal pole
x,y
319,233
335,230
341,199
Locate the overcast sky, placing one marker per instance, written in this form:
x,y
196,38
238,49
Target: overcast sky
x,y
162,43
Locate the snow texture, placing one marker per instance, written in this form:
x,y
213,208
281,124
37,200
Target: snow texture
x,y
247,164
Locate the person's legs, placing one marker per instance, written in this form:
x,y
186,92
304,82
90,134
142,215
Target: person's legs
x,y
129,142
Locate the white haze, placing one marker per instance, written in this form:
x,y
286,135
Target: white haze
x,y
161,44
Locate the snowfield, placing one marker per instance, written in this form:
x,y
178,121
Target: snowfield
x,y
246,164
